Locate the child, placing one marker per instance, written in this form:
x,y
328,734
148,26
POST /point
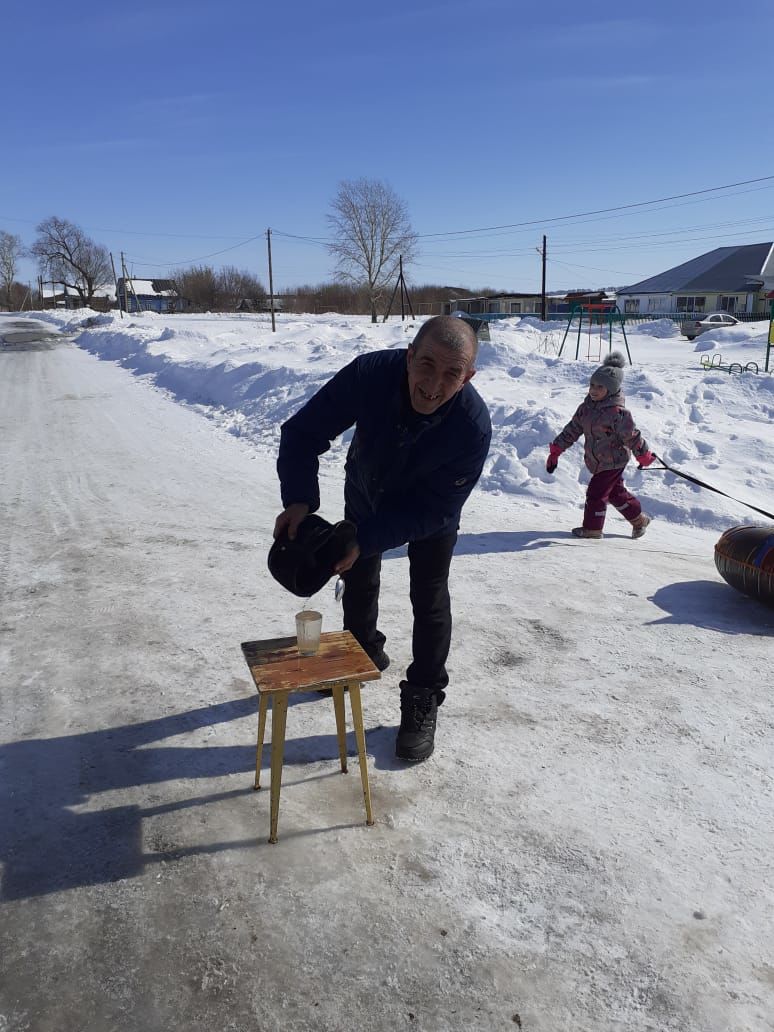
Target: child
x,y
610,437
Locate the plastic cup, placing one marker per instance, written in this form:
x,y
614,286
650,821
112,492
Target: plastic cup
x,y
308,628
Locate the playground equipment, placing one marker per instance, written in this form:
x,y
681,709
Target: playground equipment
x,y
715,361
597,315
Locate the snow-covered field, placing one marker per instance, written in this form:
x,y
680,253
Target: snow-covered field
x,y
713,425
589,848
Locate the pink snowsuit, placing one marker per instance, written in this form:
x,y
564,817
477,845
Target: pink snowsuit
x,y
609,433
610,438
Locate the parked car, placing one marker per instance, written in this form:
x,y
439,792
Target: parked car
x,y
691,328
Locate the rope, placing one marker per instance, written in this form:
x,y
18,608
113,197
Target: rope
x,y
709,487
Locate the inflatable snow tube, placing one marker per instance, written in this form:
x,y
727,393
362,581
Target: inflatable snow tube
x,y
744,557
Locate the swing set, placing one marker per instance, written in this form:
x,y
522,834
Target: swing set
x,y
596,316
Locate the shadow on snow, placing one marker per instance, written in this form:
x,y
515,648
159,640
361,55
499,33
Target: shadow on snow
x,y
48,845
713,605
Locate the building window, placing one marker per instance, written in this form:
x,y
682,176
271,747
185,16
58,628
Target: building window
x,y
655,304
631,305
515,307
728,302
691,304
494,307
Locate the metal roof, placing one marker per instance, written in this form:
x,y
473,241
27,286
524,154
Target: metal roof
x,y
730,269
150,288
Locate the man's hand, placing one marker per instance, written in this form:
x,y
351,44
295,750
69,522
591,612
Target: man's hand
x,y
348,560
290,518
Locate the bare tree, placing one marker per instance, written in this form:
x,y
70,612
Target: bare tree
x,y
236,285
371,230
209,290
328,297
198,284
68,256
11,250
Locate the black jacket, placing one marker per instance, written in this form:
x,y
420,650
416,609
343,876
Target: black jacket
x,y
407,475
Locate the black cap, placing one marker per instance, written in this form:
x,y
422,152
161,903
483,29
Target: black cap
x,y
305,564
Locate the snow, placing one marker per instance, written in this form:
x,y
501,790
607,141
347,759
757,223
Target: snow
x,y
147,288
588,848
248,380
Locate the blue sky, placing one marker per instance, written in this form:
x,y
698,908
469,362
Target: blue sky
x,y
173,131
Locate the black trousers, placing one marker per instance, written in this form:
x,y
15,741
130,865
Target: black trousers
x,y
429,563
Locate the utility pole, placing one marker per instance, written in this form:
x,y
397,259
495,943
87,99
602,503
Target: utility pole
x,y
126,283
404,295
115,281
271,283
137,305
543,287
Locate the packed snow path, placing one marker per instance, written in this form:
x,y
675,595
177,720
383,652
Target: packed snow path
x,y
588,849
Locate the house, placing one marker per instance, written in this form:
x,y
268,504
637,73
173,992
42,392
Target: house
x,y
728,279
56,295
494,304
259,304
594,305
502,306
434,300
157,295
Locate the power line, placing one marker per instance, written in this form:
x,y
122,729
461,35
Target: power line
x,y
656,245
242,243
599,211
617,238
646,241
186,261
322,241
564,247
620,215
134,232
593,268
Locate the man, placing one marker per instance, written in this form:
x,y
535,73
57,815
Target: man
x,y
421,436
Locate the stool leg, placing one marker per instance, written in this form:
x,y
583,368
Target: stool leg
x,y
263,705
357,720
341,726
279,712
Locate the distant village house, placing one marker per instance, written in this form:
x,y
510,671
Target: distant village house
x,y
149,295
738,280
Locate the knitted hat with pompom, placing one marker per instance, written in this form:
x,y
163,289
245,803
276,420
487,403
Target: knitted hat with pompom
x,y
610,373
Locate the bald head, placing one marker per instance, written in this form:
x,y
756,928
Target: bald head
x,y
441,360
450,332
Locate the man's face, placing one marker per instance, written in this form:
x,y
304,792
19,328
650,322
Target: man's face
x,y
435,373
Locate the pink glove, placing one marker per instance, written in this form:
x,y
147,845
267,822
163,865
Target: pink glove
x,y
552,462
645,459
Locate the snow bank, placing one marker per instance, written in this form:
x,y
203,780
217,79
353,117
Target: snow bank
x,y
234,370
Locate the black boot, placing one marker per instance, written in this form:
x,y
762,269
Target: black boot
x,y
380,659
418,714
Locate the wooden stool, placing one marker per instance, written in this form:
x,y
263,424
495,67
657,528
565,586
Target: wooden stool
x,y
278,670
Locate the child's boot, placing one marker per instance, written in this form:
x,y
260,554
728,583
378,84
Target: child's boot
x,y
583,532
639,525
